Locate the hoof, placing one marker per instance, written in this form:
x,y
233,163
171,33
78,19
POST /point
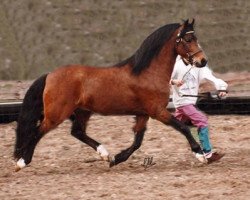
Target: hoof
x,y
105,158
20,164
112,162
17,168
103,153
200,157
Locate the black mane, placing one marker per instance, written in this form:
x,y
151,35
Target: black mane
x,y
149,49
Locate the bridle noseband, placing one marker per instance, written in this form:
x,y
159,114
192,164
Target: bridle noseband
x,y
190,56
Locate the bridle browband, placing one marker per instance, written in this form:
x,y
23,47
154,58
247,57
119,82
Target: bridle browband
x,y
179,40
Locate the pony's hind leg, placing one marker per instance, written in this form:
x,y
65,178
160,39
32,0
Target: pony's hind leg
x,y
29,149
48,123
139,130
79,131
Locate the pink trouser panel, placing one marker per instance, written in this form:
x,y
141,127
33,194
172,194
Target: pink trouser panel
x,y
190,112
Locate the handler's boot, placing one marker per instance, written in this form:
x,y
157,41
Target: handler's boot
x,y
214,156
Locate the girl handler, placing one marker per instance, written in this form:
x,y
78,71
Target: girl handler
x,y
185,81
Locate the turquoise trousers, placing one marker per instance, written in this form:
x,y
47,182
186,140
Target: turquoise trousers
x,y
204,139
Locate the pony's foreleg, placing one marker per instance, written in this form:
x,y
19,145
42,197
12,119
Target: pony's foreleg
x,y
79,131
165,117
139,130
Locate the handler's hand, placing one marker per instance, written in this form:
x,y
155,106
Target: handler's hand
x,y
178,83
222,94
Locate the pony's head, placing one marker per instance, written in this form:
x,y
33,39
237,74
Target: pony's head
x,y
187,45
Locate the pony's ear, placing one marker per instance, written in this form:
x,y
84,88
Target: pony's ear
x,y
185,23
192,23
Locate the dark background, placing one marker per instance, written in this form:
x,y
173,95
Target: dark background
x,y
37,36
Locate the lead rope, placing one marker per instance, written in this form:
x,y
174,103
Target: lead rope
x,y
181,95
187,72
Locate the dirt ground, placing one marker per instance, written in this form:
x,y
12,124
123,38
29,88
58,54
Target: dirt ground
x,y
64,168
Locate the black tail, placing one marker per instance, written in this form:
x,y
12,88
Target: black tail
x,y
31,113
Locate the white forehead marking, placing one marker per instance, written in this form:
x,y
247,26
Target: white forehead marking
x,y
189,32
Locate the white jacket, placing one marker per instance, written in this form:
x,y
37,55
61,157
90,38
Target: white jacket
x,y
192,77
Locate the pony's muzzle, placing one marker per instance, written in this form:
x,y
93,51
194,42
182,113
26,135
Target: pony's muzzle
x,y
201,63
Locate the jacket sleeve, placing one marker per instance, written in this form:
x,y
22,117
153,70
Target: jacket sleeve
x,y
206,73
174,74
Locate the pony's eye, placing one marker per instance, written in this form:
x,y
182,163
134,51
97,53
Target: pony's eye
x,y
188,39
